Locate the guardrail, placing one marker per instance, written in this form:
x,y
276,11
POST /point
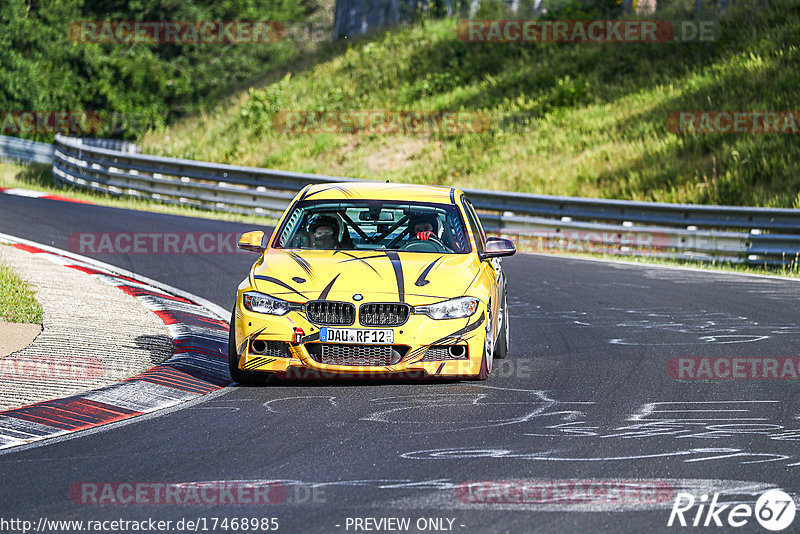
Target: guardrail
x,y
111,144
538,222
16,149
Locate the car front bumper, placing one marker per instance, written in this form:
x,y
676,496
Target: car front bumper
x,y
421,347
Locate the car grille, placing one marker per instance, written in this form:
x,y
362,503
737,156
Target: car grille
x,y
437,353
274,349
383,314
332,313
363,355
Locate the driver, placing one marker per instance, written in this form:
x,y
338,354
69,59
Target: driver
x,y
423,227
324,232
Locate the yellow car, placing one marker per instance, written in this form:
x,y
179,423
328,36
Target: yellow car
x,y
372,280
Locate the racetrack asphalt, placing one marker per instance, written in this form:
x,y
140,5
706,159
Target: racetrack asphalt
x,y
584,395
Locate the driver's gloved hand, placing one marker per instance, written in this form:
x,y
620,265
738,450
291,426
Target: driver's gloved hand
x,y
424,235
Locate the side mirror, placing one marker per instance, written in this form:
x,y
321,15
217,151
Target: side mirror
x,y
252,241
497,247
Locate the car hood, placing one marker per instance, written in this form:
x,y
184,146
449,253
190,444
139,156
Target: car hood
x,y
412,277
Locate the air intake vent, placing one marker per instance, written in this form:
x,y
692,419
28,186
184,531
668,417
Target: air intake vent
x,y
331,313
436,353
276,349
361,355
383,314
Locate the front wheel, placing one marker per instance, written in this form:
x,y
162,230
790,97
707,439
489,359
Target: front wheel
x,y
246,378
501,349
488,348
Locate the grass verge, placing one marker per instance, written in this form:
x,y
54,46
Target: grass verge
x,y
18,303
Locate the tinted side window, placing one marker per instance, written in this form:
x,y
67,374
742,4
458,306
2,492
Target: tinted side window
x,y
475,224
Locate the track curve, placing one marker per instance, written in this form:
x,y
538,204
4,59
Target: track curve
x,y
584,395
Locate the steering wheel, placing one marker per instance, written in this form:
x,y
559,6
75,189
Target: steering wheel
x,y
433,244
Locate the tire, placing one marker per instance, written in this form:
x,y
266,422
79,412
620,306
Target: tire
x,y
245,378
488,348
503,340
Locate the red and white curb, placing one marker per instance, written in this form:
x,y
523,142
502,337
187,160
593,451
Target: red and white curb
x,y
38,194
199,331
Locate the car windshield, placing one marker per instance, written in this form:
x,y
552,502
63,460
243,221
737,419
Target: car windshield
x,y
374,225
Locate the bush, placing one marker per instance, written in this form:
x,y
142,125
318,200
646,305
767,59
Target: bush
x,y
135,87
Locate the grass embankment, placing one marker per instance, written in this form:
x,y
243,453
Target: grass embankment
x,y
568,119
18,302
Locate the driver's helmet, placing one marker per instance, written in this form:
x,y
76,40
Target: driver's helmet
x,y
324,231
422,226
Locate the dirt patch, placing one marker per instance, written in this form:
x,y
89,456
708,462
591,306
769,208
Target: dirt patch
x,y
16,336
392,157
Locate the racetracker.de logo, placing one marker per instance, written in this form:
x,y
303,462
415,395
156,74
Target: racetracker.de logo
x,y
584,31
180,493
153,243
381,122
588,241
733,122
502,369
49,368
733,368
564,492
176,32
50,122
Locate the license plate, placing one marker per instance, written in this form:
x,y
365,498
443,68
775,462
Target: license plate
x,y
356,335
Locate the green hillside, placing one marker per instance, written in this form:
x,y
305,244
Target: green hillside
x,y
576,119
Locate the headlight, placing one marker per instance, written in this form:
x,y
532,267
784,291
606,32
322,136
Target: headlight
x,y
449,309
261,303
